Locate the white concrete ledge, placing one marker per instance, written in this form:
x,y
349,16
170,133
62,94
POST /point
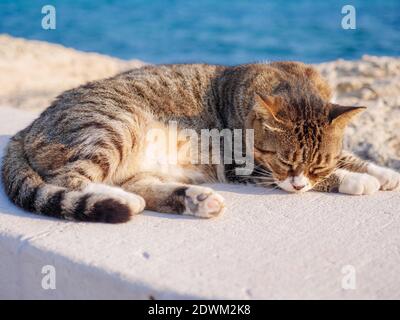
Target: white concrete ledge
x,y
269,244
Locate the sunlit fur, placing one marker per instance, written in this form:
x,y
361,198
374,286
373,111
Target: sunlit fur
x,y
298,132
303,147
87,158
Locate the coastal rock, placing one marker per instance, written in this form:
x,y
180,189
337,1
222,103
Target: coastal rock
x,y
33,73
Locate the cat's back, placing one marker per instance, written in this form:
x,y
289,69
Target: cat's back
x,y
172,73
182,92
176,89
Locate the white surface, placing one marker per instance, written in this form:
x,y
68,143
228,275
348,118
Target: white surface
x,y
269,244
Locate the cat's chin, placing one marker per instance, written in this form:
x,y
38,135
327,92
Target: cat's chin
x,y
288,186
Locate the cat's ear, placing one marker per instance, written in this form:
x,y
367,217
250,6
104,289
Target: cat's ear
x,y
269,107
341,116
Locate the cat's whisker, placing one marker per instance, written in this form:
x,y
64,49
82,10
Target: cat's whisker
x,y
261,168
262,175
265,182
272,189
264,178
263,172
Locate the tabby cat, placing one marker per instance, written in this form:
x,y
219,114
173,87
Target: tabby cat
x,y
88,156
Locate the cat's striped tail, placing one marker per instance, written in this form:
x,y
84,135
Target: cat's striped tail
x,y
26,188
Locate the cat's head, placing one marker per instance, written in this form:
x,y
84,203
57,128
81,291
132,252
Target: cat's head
x,y
299,141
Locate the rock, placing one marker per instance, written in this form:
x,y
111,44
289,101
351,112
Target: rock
x,y
33,73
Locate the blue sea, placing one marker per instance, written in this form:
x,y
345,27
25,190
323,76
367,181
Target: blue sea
x,y
213,31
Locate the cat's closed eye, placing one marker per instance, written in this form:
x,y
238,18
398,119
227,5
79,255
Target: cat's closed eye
x,y
316,170
284,163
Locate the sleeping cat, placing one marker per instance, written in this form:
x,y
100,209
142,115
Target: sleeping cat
x,y
88,156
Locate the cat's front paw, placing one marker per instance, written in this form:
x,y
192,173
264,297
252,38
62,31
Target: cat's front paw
x,y
388,179
203,202
358,183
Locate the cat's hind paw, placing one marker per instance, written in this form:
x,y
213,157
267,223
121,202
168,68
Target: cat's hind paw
x,y
358,183
388,178
203,202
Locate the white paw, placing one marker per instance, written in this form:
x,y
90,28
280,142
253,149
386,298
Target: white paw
x,y
388,179
203,202
135,202
358,184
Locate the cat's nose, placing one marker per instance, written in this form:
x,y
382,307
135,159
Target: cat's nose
x,y
299,182
298,187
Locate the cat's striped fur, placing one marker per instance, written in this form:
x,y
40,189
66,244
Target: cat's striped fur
x,y
86,157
